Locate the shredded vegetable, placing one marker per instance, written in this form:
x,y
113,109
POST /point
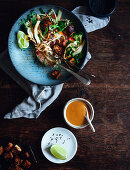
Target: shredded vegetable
x,y
53,35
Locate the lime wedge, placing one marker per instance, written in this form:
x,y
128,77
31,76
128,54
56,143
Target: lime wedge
x,y
59,152
23,41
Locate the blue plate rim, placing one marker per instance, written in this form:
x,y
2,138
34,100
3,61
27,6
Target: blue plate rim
x,y
57,6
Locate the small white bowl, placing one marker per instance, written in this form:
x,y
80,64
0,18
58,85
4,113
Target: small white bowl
x,y
88,104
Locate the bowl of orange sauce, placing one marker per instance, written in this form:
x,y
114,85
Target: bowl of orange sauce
x,y
75,112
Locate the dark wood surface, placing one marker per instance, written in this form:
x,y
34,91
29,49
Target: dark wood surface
x,y
109,93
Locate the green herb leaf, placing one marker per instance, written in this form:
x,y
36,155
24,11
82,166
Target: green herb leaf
x,y
78,57
45,32
53,27
40,36
23,21
50,11
32,12
41,10
44,63
61,26
78,37
31,16
34,20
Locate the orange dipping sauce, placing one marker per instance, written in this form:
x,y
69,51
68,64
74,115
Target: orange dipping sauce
x,y
76,112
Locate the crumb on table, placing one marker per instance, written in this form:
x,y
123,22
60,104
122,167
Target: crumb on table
x,y
9,146
16,150
1,150
18,160
26,164
27,154
8,155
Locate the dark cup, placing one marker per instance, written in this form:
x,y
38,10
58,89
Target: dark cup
x,y
102,8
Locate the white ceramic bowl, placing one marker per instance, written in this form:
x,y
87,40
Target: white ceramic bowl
x,y
88,104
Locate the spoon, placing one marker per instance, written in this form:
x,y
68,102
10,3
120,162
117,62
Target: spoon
x,y
89,121
84,80
90,75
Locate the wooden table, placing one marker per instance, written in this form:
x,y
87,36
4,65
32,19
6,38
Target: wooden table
x,y
109,93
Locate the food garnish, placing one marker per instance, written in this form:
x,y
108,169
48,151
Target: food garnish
x,y
51,35
23,41
58,151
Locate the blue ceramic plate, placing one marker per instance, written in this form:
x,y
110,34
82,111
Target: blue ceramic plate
x,y
25,61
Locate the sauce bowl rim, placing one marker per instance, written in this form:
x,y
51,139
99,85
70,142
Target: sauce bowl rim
x,y
78,99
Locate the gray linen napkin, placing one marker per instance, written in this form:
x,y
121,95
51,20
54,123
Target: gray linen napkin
x,y
40,97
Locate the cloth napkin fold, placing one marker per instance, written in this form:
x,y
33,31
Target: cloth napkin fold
x,y
40,97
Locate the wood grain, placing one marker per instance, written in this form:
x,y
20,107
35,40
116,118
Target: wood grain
x,y
109,93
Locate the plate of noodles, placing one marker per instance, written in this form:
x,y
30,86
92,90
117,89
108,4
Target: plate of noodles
x,y
44,37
